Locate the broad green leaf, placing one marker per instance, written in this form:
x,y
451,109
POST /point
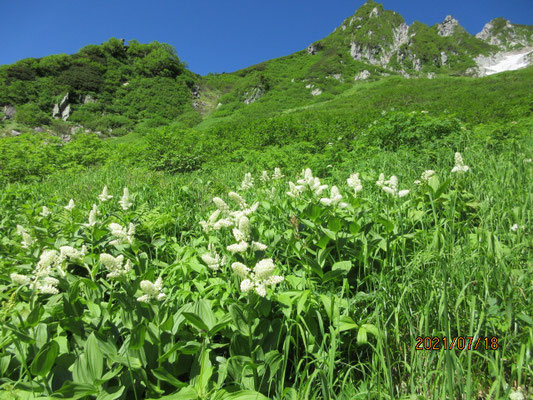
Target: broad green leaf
x,y
335,224
45,358
162,374
111,393
196,321
346,323
344,266
95,359
137,337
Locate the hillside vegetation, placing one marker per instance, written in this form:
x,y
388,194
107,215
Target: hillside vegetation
x,y
242,236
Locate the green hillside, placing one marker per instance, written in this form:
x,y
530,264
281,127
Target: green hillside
x,y
351,221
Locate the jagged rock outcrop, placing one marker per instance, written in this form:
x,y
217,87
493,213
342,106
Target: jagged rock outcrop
x,y
448,26
253,95
313,48
88,99
502,33
363,75
63,108
9,112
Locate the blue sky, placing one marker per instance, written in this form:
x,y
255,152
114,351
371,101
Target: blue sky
x,y
215,36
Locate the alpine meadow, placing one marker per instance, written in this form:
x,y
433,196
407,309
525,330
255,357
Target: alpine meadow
x,y
351,221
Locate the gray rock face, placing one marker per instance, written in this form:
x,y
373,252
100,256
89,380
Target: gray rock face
x,y
38,129
380,55
363,75
447,28
14,132
66,112
9,112
313,48
253,95
507,37
443,58
62,109
88,99
431,75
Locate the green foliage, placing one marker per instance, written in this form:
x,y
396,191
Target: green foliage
x,y
174,150
30,114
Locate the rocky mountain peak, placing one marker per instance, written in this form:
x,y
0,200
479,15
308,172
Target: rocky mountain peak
x,y
501,32
448,26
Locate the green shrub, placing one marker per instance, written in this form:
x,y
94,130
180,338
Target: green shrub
x,y
30,114
174,149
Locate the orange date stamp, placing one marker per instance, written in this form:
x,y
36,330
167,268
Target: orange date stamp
x,y
457,342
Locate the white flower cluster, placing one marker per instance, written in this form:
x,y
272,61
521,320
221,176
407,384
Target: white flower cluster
x,y
355,183
70,206
45,212
307,182
123,235
276,175
334,200
259,278
125,202
212,259
104,196
459,164
41,279
92,216
223,217
426,175
115,265
27,240
248,181
391,186
152,291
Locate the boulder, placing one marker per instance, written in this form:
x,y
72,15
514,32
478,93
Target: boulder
x,y
38,129
88,99
9,112
316,92
313,48
361,76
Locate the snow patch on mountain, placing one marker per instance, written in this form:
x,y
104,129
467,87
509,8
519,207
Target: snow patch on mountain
x,y
504,61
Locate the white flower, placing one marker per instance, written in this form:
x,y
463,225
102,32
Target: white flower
x,y
213,262
516,395
381,180
355,183
277,174
248,181
110,262
20,230
221,204
20,279
27,241
104,196
427,174
122,235
274,280
125,200
527,160
335,199
239,235
294,190
70,205
46,212
237,198
246,285
459,164
152,291
240,269
223,223
264,176
264,268
47,289
260,289
403,193
238,247
417,182
515,227
256,246
71,253
92,218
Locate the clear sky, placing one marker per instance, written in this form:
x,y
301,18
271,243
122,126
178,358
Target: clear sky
x,y
214,36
